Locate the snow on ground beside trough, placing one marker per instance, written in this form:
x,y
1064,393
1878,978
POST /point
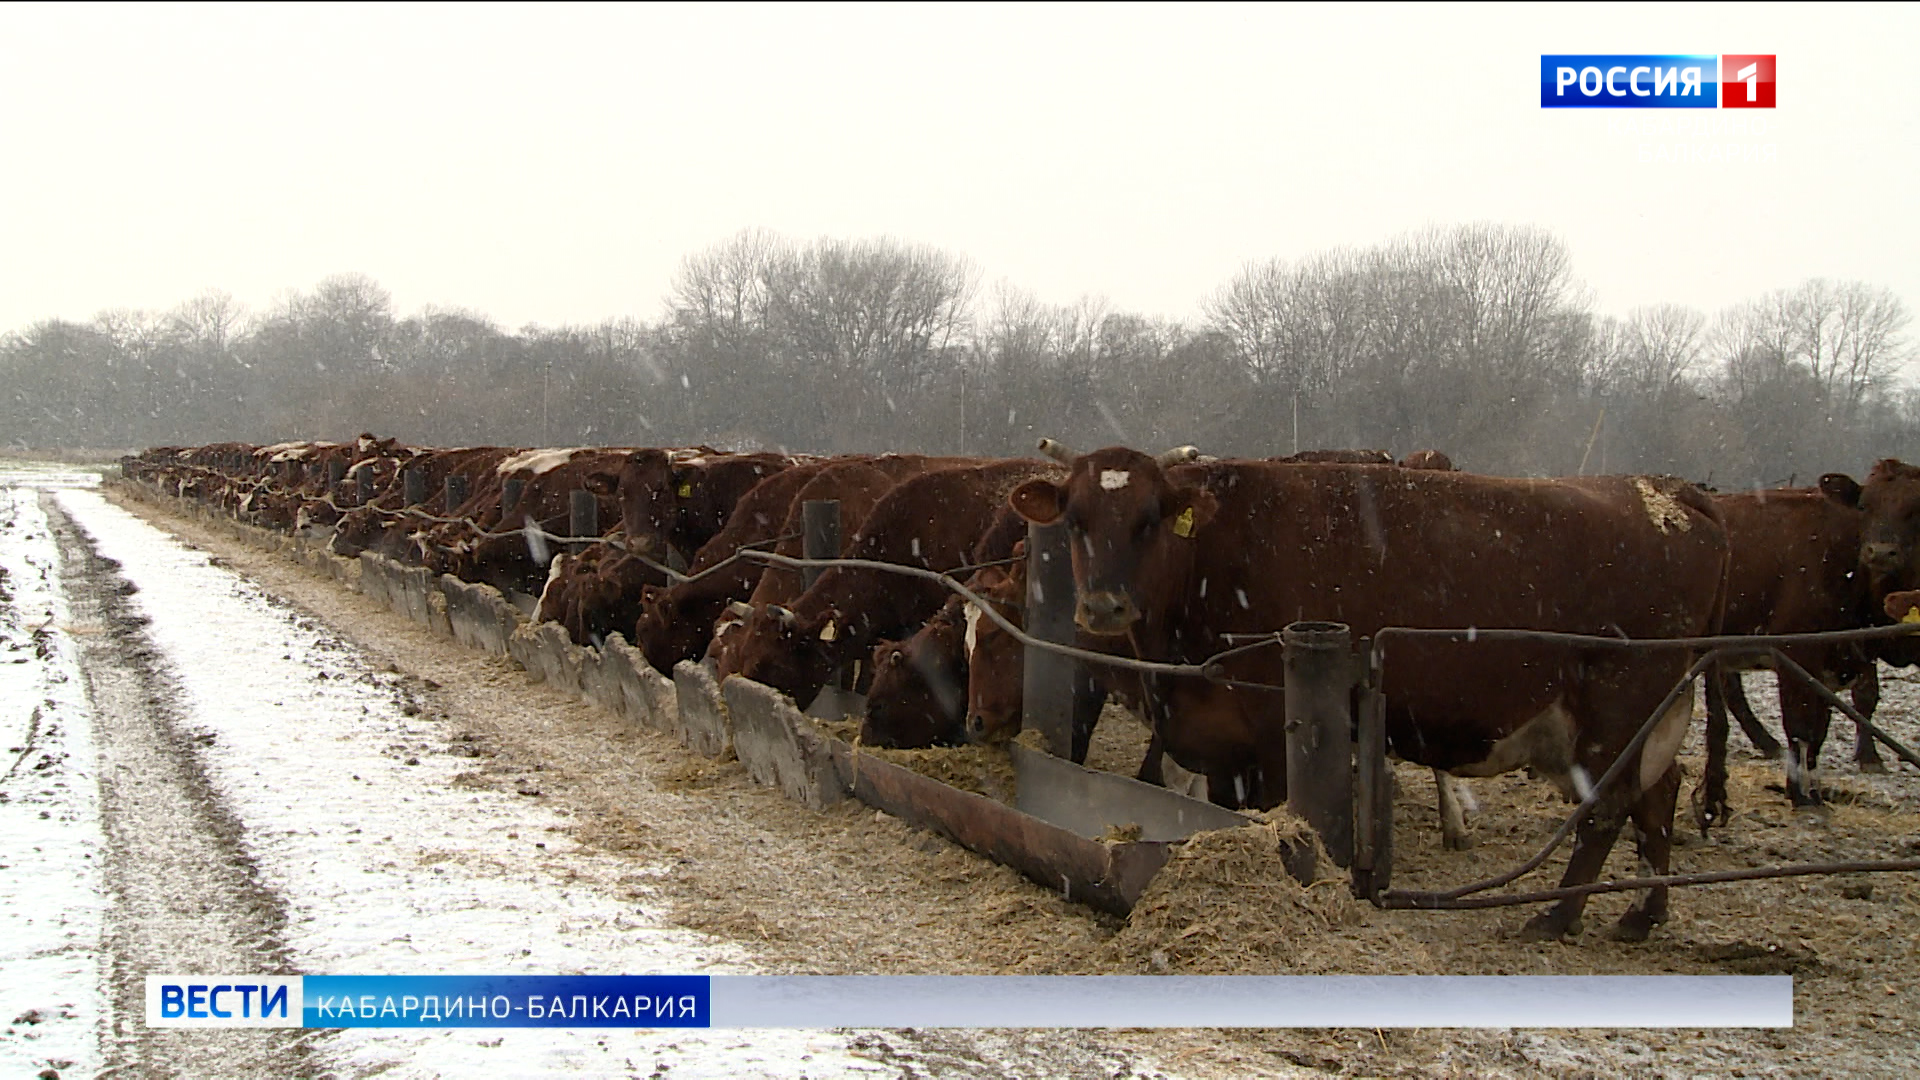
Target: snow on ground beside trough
x,y
51,904
386,865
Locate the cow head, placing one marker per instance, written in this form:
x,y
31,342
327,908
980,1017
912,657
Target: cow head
x,y
919,687
1890,528
729,633
647,496
787,651
1131,529
671,626
1432,460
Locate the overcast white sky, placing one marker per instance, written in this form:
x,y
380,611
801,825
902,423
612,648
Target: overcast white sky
x,y
553,165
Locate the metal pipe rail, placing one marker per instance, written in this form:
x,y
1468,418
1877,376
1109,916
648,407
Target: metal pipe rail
x,y
1420,901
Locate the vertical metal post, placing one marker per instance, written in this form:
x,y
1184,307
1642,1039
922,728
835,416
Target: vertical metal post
x,y
363,483
413,486
336,472
583,514
1319,682
819,535
1047,679
1373,791
456,491
510,493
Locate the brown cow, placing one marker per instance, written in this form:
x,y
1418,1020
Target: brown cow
x,y
707,489
857,484
662,510
1177,558
676,623
672,501
920,685
995,664
388,526
1794,569
1890,545
1890,531
933,521
504,552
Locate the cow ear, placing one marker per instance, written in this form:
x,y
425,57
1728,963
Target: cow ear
x,y
1037,500
1891,469
1190,508
1841,488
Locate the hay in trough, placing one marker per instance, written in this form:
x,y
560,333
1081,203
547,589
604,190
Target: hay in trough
x,y
1225,904
983,770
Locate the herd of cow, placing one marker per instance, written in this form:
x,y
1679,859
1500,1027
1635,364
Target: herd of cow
x,y
1174,556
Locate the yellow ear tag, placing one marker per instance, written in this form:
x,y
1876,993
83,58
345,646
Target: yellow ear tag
x,y
1183,525
686,490
828,633
1912,615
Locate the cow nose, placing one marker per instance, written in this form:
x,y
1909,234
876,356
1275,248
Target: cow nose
x,y
1105,611
976,726
1881,557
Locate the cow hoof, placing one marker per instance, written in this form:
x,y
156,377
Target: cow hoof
x,y
1547,927
1463,842
1708,814
1635,925
1876,767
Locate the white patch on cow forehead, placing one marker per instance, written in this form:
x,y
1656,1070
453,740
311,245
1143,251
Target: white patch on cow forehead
x,y
1663,509
1114,479
973,628
538,461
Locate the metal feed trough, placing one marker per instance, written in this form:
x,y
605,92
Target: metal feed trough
x,y
1055,831
1058,829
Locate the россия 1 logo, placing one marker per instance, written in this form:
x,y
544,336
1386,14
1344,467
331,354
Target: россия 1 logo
x,y
1746,82
1656,82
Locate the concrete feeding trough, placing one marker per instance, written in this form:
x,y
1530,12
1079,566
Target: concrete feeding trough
x,y
1058,832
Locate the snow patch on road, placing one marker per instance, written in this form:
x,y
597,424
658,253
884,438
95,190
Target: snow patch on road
x,y
52,905
356,816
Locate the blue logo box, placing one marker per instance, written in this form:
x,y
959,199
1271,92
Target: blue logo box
x,y
1629,82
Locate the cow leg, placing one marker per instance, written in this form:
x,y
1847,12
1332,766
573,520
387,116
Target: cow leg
x,y
1804,715
1238,789
1089,697
1152,767
1653,821
1710,798
1865,693
1454,799
1593,841
1606,704
1756,732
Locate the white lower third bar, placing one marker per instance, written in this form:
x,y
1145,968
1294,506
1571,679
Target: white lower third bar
x,y
1277,1001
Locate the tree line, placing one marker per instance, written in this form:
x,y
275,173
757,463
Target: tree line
x,y
1476,340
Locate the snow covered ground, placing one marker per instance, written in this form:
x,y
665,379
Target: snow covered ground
x,y
349,813
51,902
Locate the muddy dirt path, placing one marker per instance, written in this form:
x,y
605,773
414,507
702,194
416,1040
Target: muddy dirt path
x,y
185,896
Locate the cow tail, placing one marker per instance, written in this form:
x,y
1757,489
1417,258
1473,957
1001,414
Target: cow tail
x,y
1692,496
